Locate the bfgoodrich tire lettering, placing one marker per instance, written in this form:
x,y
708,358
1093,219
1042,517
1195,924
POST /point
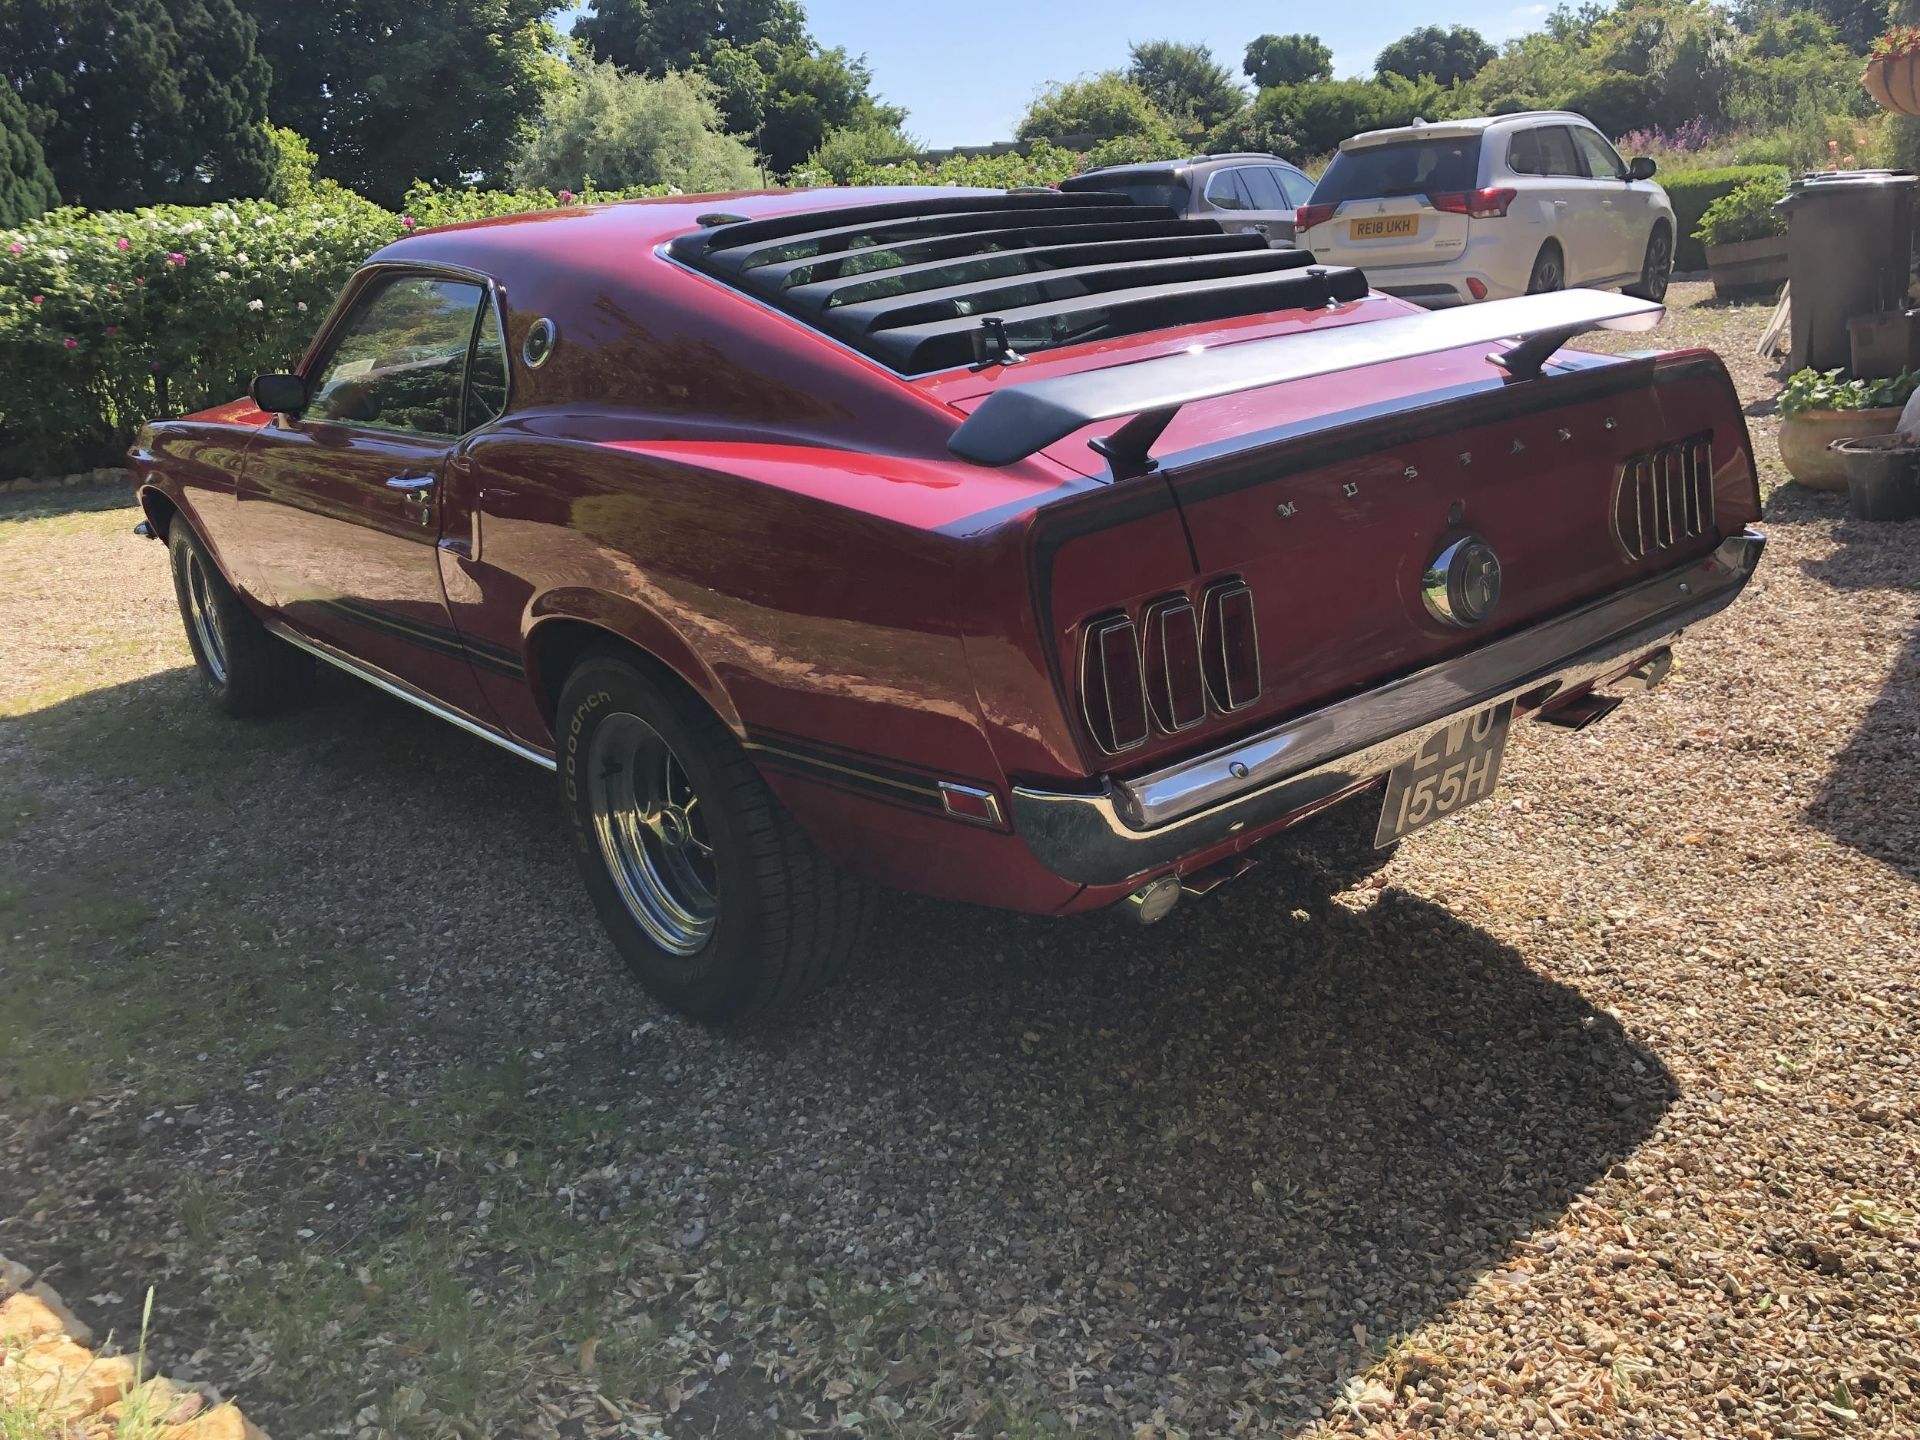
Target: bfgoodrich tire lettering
x,y
247,669
718,903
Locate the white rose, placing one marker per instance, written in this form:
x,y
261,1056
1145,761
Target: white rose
x,y
256,305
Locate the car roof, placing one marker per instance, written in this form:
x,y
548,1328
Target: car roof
x,y
1454,129
1190,162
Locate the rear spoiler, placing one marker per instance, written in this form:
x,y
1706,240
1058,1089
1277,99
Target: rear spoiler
x,y
1017,420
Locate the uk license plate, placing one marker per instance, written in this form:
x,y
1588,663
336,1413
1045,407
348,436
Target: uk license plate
x,y
1457,767
1383,227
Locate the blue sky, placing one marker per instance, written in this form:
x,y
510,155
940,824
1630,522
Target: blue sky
x,y
966,70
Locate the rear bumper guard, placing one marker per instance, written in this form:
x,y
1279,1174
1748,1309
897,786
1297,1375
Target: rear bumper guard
x,y
1127,828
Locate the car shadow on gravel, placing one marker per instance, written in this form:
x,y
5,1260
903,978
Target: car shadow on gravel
x,y
1868,800
1223,1160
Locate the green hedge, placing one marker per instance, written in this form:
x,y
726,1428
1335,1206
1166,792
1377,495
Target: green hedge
x,y
1694,191
107,319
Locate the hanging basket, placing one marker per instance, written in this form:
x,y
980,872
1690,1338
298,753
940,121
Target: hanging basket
x,y
1894,83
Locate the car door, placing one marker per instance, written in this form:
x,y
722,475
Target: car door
x,y
1271,214
343,502
1582,223
1296,186
1227,200
1628,206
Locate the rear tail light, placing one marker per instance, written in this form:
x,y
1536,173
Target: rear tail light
x,y
1308,216
1489,204
1664,497
1112,685
1229,646
1176,689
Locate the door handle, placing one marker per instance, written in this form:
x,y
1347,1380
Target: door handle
x,y
410,482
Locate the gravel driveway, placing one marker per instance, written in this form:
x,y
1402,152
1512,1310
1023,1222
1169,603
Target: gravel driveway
x,y
1598,1117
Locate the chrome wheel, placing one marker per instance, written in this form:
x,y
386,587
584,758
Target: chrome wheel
x,y
200,614
652,834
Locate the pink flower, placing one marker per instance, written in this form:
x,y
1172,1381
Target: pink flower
x,y
407,222
113,330
566,197
174,257
138,281
16,247
123,243
71,343
39,299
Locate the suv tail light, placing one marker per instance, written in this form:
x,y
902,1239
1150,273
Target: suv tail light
x,y
1488,204
1308,216
1664,497
1230,646
1113,692
1176,689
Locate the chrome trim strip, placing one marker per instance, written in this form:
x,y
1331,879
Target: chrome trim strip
x,y
380,680
1213,624
1092,636
1127,828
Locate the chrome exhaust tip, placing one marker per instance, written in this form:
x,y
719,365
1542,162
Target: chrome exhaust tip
x,y
1580,711
1649,672
1153,900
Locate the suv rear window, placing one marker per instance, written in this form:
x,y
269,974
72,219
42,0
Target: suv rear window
x,y
1167,190
1401,167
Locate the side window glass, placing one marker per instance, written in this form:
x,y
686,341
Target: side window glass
x,y
487,376
1603,161
1557,147
1523,153
1262,188
1223,192
400,362
1297,187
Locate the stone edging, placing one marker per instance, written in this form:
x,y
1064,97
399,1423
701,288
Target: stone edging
x,y
106,474
46,1358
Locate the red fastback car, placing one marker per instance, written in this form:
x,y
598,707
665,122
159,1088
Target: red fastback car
x,y
1048,551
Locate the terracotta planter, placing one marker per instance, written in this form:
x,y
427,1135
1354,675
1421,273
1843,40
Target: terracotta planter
x,y
1804,439
1746,266
1894,83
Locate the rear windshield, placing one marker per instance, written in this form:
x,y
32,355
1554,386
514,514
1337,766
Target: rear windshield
x,y
1168,190
1401,167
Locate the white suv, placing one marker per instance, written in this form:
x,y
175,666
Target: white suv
x,y
1465,210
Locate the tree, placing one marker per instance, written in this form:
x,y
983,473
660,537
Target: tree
x,y
1102,107
1320,115
27,190
810,92
392,91
1449,56
1185,82
139,101
1287,60
1854,23
651,37
621,130
846,152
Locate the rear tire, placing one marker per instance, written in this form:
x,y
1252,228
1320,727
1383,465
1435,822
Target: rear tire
x,y
1549,270
1657,269
719,904
247,669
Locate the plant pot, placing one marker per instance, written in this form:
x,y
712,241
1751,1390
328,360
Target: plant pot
x,y
1804,439
1894,83
1746,266
1883,476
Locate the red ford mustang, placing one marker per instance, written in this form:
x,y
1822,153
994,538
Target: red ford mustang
x,y
1042,550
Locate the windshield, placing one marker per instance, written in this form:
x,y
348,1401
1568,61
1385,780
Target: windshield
x,y
1401,167
1167,190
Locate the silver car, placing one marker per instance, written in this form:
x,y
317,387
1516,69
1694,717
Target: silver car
x,y
1242,191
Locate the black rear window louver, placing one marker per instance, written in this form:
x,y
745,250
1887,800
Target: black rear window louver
x,y
908,283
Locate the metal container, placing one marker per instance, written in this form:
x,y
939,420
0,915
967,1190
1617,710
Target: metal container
x,y
1850,251
1883,476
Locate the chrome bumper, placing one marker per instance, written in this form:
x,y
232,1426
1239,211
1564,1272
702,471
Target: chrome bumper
x,y
1127,828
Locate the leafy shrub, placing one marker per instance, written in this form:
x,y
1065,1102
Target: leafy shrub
x,y
426,206
109,318
631,130
1319,117
845,151
26,185
1100,107
1617,104
1831,390
1044,164
1744,213
1692,193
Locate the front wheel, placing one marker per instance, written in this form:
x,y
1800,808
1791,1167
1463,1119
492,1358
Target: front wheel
x,y
247,669
1657,268
719,904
